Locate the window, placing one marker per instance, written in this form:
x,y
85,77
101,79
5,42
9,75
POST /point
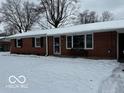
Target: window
x,y
69,41
18,43
78,41
37,42
89,41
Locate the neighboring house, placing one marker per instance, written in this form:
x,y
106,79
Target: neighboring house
x,y
4,44
95,40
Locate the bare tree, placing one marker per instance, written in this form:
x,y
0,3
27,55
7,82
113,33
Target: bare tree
x,y
106,16
18,15
92,17
88,17
10,29
57,11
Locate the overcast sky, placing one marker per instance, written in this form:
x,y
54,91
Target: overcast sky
x,y
114,6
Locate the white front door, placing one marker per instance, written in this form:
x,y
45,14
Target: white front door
x,y
56,46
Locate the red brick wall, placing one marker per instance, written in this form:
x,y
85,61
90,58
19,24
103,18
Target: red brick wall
x,y
50,45
27,47
102,43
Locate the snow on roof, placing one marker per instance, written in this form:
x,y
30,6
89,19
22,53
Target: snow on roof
x,y
2,38
84,28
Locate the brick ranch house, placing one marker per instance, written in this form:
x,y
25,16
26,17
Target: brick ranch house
x,y
95,40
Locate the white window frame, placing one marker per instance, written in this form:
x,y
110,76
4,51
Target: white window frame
x,y
57,36
36,42
71,42
17,44
86,41
72,46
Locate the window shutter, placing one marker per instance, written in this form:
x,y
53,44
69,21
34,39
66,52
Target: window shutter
x,y
33,42
42,42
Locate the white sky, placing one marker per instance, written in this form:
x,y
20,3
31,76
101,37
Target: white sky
x,y
114,6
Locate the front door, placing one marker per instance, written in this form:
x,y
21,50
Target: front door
x,y
56,45
121,47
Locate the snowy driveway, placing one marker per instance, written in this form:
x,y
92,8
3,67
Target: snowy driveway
x,y
53,74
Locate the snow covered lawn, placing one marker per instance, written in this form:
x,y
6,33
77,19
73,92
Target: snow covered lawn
x,y
54,74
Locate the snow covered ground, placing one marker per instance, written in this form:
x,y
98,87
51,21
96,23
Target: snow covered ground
x,y
115,82
53,74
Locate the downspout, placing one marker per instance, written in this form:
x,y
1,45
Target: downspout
x,y
46,45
